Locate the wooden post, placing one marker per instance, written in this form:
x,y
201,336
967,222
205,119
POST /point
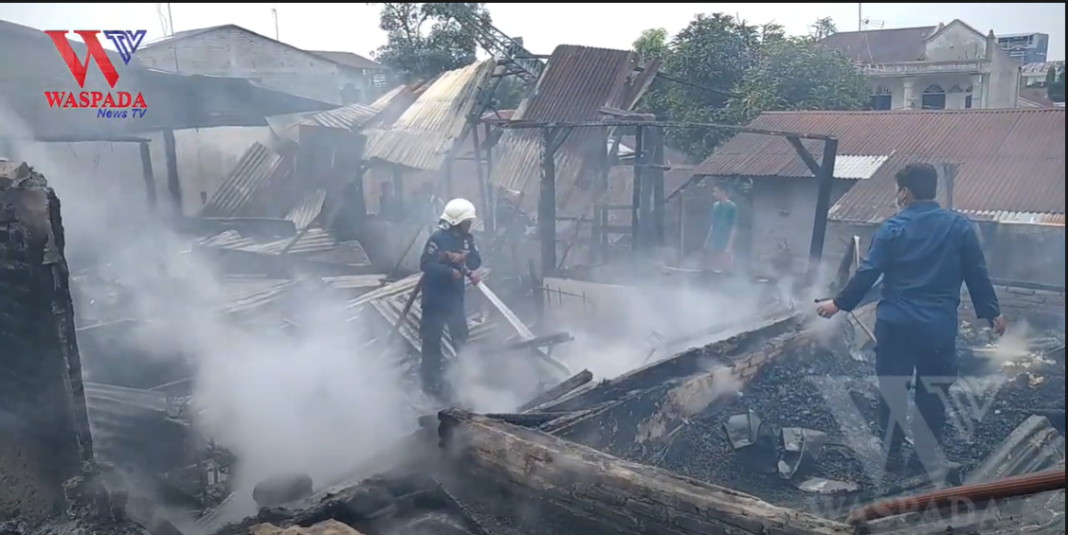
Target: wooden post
x,y
174,184
636,195
149,177
606,494
823,206
483,185
547,202
655,141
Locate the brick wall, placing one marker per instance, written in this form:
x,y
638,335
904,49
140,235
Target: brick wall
x,y
237,53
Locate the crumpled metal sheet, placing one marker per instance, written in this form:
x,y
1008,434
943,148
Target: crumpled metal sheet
x,y
1032,447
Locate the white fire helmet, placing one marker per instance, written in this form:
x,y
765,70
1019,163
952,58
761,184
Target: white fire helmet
x,y
457,211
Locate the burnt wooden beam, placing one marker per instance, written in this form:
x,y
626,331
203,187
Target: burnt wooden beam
x,y
637,210
823,207
147,174
683,365
551,140
608,494
45,436
174,183
566,386
806,156
646,419
51,484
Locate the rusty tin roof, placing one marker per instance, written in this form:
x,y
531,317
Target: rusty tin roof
x,y
422,137
576,84
1008,160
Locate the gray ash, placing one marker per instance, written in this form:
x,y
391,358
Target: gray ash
x,y
788,395
969,441
783,396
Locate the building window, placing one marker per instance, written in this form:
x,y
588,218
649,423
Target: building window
x,y
934,98
968,102
881,100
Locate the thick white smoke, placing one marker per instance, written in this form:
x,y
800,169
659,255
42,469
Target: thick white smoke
x,y
305,402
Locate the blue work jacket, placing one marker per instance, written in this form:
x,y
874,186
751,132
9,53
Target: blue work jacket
x,y
924,253
441,291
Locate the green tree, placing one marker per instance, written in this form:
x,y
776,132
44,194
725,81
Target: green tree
x,y
427,39
1055,84
707,58
726,71
653,45
796,74
823,27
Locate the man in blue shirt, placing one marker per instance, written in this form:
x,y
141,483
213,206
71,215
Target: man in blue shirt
x,y
923,253
448,258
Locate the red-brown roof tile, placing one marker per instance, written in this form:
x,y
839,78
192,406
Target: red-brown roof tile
x,y
1008,160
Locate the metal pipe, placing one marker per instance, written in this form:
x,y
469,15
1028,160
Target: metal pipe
x,y
1012,487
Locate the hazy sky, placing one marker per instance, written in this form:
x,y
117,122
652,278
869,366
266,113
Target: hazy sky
x,y
353,27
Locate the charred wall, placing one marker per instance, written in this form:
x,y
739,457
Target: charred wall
x,y
44,428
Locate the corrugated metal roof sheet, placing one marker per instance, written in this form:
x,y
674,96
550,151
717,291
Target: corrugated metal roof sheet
x,y
576,84
1007,160
304,213
1033,446
317,244
351,117
258,170
1022,218
857,167
426,132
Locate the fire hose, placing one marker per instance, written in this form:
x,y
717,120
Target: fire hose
x,y
1011,487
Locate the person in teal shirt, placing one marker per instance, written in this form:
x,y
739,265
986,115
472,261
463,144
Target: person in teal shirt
x,y
721,230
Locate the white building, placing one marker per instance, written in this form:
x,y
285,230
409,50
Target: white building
x,y
950,66
333,77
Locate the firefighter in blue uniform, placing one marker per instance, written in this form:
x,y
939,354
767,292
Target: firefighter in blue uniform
x,y
449,256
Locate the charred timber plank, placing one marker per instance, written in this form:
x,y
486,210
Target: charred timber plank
x,y
566,386
686,364
617,495
644,419
45,435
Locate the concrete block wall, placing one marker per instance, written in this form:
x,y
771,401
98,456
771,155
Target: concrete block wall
x,y
230,51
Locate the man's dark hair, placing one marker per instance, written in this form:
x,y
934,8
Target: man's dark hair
x,y
919,178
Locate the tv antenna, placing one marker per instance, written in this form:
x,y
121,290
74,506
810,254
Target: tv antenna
x,y
274,13
866,23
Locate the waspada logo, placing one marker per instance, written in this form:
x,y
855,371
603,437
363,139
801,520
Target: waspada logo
x,y
110,104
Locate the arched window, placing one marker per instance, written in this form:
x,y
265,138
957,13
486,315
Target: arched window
x,y
934,98
880,99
